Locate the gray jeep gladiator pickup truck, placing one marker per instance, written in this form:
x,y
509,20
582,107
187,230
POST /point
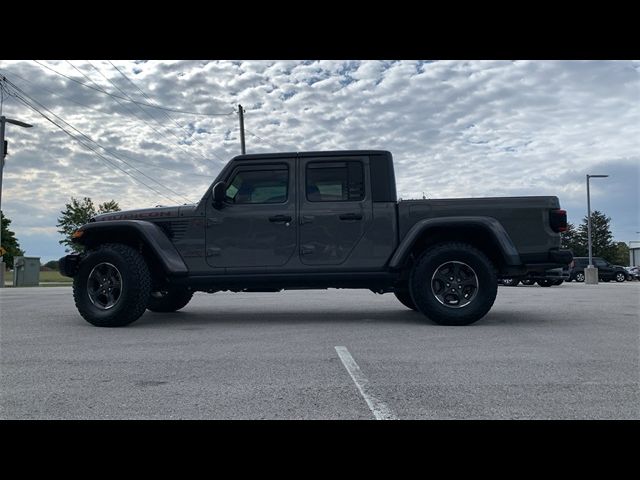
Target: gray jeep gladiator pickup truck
x,y
314,220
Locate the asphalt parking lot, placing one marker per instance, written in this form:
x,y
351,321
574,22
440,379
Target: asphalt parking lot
x,y
567,352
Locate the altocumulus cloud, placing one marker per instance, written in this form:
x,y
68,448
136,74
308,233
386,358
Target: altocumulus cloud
x,y
456,128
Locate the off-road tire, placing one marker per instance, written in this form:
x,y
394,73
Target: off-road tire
x,y
405,298
169,300
432,260
134,289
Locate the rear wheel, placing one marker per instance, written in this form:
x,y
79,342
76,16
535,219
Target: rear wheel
x,y
112,286
453,284
580,277
169,300
405,298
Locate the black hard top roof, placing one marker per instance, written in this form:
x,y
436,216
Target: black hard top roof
x,y
330,153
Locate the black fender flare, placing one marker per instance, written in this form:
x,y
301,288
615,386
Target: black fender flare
x,y
489,224
149,233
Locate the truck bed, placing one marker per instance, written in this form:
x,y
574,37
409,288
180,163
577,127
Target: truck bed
x,y
526,219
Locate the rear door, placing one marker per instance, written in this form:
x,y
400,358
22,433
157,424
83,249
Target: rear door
x,y
335,208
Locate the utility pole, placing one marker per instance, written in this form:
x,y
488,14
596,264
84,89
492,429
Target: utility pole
x,y
3,152
241,118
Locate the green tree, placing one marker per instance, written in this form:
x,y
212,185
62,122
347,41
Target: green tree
x,y
620,254
602,244
570,240
9,242
76,214
52,264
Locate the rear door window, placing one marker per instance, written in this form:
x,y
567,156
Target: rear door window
x,y
335,181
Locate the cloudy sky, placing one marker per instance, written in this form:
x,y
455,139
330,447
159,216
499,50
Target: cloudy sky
x,y
455,128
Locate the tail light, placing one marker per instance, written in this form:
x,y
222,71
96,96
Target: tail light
x,y
558,220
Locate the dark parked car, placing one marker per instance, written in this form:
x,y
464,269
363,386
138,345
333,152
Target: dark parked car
x,y
606,271
306,220
634,272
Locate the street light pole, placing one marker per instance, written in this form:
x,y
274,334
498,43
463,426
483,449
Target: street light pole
x,y
4,120
591,275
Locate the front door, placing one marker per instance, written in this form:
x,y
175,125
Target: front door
x,y
605,270
335,208
256,226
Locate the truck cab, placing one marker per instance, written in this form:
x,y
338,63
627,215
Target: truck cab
x,y
309,212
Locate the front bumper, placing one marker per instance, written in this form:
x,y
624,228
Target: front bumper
x,y
68,265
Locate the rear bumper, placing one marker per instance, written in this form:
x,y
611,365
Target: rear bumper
x,y
563,257
68,265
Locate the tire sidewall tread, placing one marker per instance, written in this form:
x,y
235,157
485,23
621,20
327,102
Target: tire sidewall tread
x,y
425,300
136,285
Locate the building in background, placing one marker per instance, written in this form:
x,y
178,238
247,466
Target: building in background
x,y
634,253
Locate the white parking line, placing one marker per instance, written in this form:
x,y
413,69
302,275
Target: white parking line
x,y
378,407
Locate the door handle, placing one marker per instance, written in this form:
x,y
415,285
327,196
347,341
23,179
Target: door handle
x,y
307,249
351,216
280,218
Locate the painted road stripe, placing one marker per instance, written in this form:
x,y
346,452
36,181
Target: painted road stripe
x,y
378,407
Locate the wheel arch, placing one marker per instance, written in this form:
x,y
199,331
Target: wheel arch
x,y
146,237
484,233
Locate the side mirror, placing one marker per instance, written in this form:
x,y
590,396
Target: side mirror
x,y
219,193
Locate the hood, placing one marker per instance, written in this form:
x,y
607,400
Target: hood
x,y
157,213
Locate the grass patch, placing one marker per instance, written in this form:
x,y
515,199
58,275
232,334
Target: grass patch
x,y
52,276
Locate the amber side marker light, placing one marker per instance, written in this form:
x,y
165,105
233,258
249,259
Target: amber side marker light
x,y
77,234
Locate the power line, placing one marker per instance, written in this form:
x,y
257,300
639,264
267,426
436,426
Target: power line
x,y
165,113
94,142
107,113
134,101
127,108
89,147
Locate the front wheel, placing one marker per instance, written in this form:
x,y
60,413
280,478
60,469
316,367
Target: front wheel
x,y
620,277
580,277
169,300
112,286
453,284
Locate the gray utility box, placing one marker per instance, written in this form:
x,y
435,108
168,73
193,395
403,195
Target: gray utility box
x,y
26,271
